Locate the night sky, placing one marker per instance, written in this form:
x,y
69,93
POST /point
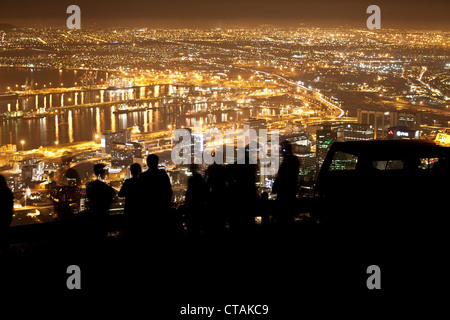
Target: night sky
x,y
429,14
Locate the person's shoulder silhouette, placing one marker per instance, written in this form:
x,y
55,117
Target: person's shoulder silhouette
x,y
155,184
6,203
99,194
196,183
6,214
129,185
130,189
286,182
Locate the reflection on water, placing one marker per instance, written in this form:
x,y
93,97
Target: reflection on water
x,y
70,125
56,129
83,124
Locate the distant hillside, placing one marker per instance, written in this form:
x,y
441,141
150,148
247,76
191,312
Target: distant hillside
x,y
6,27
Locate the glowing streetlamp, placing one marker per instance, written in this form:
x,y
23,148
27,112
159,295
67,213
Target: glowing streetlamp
x,y
22,142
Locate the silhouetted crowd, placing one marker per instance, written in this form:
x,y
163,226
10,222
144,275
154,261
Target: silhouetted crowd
x,y
225,199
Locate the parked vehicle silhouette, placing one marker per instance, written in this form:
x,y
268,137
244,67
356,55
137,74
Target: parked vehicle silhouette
x,y
384,187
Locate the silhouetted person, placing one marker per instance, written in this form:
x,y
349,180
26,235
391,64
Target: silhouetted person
x,y
130,191
71,177
286,184
243,196
155,198
100,196
217,199
6,214
195,201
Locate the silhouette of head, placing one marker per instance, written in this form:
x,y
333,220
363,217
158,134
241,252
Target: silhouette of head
x,y
3,184
99,170
135,169
193,167
152,161
264,196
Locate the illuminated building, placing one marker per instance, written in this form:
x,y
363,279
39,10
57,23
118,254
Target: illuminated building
x,y
109,137
32,170
402,133
300,145
118,82
354,132
122,154
307,170
324,139
381,120
8,148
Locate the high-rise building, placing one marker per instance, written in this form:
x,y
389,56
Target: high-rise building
x,y
307,172
301,148
122,154
324,139
381,121
354,132
109,137
33,172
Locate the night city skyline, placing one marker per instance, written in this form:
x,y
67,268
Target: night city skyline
x,y
223,159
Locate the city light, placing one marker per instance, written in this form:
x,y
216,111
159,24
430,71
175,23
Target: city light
x,y
300,134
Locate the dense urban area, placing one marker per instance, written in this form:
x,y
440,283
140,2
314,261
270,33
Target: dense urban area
x,y
72,98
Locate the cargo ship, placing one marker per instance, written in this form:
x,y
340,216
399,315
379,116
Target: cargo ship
x,y
32,116
127,109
